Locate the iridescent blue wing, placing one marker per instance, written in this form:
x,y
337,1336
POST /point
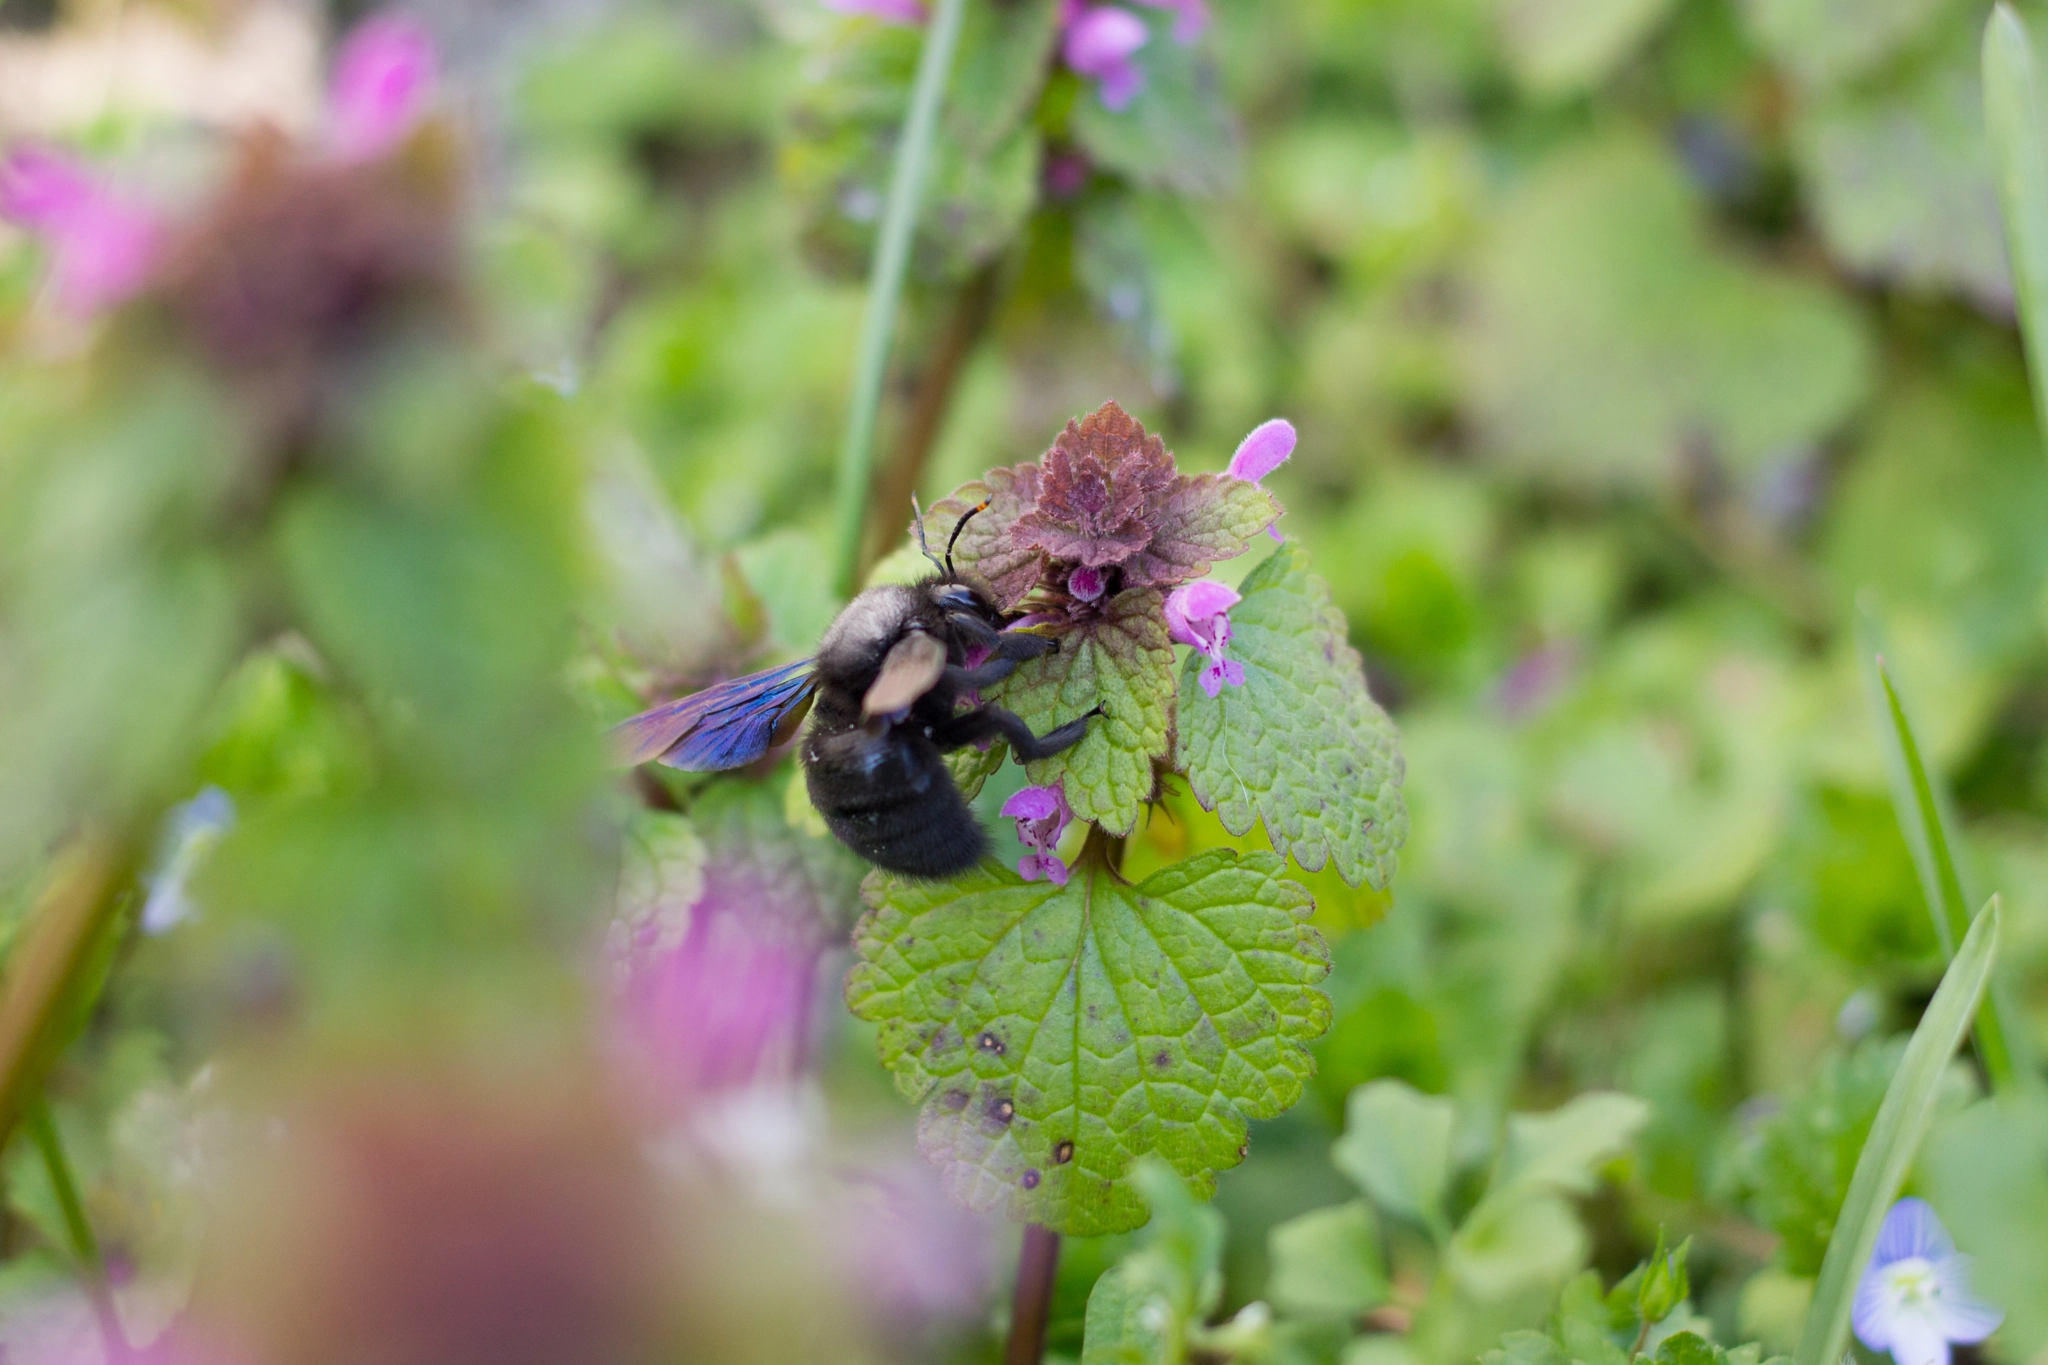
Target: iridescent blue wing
x,y
727,725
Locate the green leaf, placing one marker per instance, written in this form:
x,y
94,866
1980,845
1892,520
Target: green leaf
x,y
1984,1174
1607,335
1178,134
2019,164
1900,179
1056,1035
1825,41
661,875
1124,664
1901,1122
1923,819
1561,47
1145,1308
1525,1348
1005,51
1301,747
1515,1243
1397,1146
1689,1348
1327,1262
1562,1151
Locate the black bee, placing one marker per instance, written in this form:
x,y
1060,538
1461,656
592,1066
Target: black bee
x,y
887,681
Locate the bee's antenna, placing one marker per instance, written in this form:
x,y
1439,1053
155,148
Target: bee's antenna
x,y
960,526
917,525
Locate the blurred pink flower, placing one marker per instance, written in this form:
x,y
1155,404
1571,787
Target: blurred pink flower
x,y
914,1253
102,245
383,78
1262,452
1198,615
728,1006
1042,817
888,11
1099,43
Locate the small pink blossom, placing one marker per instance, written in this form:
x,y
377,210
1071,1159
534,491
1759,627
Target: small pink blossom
x,y
102,246
888,11
1100,42
1198,615
1042,817
1262,452
383,78
1086,584
729,1006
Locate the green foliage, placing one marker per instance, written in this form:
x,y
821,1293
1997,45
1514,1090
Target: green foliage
x,y
1397,1147
1055,1035
1301,747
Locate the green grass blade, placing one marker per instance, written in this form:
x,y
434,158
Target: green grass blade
x,y
1895,1136
2012,116
885,287
1924,819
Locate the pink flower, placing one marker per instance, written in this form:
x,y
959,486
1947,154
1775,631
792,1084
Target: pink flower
x,y
102,246
1262,452
730,1004
383,78
888,11
1087,584
1042,817
1198,615
1100,41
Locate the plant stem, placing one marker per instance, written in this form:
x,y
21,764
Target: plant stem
x,y
973,306
55,945
42,1128
885,286
1031,1302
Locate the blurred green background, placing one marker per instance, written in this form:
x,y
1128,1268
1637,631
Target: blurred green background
x,y
1633,345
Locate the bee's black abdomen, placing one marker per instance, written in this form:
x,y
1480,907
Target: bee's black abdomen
x,y
889,797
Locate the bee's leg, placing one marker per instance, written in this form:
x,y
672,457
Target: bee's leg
x,y
993,722
1018,645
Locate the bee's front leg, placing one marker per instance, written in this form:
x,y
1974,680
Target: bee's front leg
x,y
993,722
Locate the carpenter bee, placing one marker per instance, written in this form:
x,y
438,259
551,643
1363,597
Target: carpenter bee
x,y
886,681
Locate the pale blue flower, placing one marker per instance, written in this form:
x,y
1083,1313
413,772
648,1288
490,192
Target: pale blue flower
x,y
190,832
1914,1299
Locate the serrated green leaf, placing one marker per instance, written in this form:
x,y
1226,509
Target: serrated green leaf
x,y
1124,664
1327,1262
1178,134
971,767
1302,747
661,875
1397,1146
1124,1020
1901,1121
1689,1348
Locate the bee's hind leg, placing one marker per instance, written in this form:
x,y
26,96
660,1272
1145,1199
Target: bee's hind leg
x,y
993,722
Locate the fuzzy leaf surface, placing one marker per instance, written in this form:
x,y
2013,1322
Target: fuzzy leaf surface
x,y
1121,661
1302,746
1056,1035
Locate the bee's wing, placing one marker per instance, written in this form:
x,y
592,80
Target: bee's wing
x,y
909,670
726,725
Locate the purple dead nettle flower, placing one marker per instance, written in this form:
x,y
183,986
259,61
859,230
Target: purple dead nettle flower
x,y
103,246
1914,1299
1042,817
1262,452
383,78
1101,42
1198,615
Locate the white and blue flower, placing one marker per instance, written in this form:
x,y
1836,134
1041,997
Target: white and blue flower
x,y
1914,1299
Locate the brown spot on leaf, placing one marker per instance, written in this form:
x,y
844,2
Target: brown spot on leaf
x,y
1063,1153
990,1043
956,1100
1031,1179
